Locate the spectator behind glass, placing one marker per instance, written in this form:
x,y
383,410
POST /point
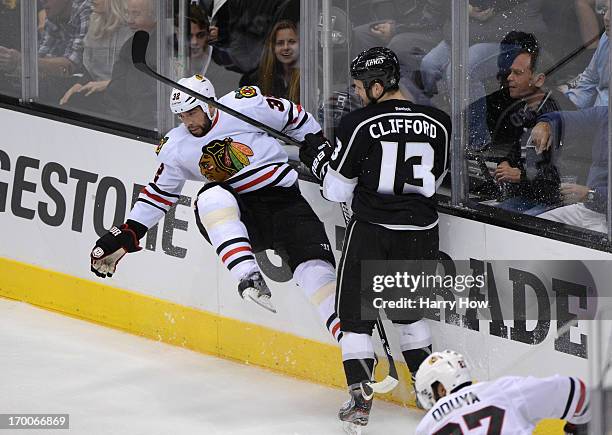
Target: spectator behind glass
x,y
591,87
490,20
60,51
131,96
533,182
278,73
108,31
200,52
586,204
10,24
242,27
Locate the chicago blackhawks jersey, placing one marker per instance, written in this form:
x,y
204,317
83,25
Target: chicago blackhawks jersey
x,y
511,405
233,151
389,159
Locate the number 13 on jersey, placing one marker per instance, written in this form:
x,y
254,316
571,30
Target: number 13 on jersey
x,y
410,173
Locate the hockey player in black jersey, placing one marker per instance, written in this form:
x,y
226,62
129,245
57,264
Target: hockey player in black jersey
x,y
389,159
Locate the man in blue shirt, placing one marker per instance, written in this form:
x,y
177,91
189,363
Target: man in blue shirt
x,y
586,204
592,86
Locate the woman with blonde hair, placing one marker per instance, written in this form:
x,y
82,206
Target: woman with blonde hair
x,y
278,73
108,30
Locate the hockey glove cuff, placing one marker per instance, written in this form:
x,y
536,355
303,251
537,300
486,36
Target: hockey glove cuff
x,y
315,153
111,247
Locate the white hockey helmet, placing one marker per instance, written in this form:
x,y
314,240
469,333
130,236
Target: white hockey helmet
x,y
181,102
448,368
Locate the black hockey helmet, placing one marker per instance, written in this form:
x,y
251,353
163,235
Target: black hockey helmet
x,y
377,64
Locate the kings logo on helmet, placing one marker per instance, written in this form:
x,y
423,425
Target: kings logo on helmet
x,y
371,62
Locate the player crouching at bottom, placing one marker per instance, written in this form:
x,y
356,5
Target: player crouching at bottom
x,y
508,405
388,166
249,197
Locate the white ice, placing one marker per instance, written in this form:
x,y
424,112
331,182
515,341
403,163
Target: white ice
x,y
112,382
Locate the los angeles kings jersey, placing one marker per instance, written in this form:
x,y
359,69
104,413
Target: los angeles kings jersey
x,y
233,150
389,159
511,405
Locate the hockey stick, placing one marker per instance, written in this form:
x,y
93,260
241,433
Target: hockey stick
x,y
392,379
139,51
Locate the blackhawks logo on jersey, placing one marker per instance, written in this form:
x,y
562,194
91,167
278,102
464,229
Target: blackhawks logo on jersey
x,y
246,92
223,158
161,145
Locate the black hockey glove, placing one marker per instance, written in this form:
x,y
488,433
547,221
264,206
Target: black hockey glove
x,y
315,153
575,429
111,247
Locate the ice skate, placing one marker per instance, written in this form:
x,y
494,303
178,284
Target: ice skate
x,y
253,287
355,413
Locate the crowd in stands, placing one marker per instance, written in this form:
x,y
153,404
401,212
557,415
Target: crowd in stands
x,y
84,52
522,73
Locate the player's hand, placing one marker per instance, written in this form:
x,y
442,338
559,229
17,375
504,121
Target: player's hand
x,y
315,153
110,248
575,429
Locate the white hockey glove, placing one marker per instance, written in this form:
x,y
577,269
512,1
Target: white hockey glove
x,y
315,153
110,248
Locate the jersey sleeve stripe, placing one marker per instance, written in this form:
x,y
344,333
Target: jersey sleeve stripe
x,y
290,117
239,260
302,122
281,176
227,243
570,399
249,173
235,251
257,180
157,198
582,398
162,192
151,204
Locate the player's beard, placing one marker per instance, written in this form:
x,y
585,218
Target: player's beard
x,y
200,130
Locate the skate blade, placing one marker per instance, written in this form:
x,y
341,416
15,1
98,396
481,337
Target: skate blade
x,y
351,428
262,301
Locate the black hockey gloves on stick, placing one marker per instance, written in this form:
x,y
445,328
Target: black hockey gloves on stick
x,y
315,153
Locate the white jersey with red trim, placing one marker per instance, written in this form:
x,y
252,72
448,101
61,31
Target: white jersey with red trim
x,y
511,405
251,158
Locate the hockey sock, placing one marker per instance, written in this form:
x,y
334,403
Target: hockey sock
x,y
317,279
415,343
415,357
220,216
357,371
357,357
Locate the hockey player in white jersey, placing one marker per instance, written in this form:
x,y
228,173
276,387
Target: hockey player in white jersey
x,y
250,200
511,405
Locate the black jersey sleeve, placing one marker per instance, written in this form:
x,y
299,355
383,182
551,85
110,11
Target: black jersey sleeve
x,y
347,156
344,166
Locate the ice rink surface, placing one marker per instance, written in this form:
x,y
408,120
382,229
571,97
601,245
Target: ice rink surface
x,y
112,382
